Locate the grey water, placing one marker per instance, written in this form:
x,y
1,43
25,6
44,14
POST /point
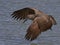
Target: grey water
x,y
12,32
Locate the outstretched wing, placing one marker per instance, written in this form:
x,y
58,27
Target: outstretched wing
x,y
33,31
22,13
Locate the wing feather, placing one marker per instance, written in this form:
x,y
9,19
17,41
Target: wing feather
x,y
22,13
33,31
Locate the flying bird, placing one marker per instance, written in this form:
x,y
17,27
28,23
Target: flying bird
x,y
41,21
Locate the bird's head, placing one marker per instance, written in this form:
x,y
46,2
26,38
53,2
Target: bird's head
x,y
53,20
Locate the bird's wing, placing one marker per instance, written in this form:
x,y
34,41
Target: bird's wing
x,y
53,20
33,31
22,13
38,26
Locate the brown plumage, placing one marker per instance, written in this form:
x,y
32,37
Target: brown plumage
x,y
25,13
40,24
33,31
41,21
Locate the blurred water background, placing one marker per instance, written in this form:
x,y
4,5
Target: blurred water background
x,y
12,32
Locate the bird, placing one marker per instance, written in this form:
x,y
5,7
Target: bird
x,y
41,21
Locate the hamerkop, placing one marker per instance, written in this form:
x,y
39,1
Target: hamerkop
x,y
41,21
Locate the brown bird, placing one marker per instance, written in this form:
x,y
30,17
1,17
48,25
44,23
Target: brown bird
x,y
41,21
